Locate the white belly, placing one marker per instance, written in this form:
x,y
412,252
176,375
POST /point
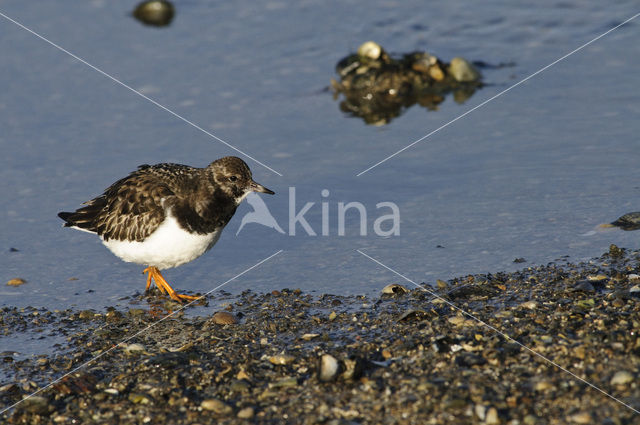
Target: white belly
x,y
169,246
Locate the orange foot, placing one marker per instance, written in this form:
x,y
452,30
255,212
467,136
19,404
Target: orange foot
x,y
163,286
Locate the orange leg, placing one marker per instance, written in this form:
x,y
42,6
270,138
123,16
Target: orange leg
x,y
164,286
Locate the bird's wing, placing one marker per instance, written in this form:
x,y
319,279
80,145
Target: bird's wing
x,y
130,209
133,208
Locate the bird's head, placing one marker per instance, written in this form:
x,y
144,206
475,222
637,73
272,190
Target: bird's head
x,y
233,176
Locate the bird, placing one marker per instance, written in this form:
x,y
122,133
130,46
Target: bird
x,y
166,215
260,214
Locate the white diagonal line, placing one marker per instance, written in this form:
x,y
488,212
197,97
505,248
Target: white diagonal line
x,y
497,331
114,79
91,360
498,95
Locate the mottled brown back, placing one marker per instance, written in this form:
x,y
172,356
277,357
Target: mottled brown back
x,y
132,207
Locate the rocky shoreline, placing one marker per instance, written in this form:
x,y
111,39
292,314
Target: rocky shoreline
x,y
405,357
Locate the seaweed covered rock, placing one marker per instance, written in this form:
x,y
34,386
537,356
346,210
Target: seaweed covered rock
x,y
378,87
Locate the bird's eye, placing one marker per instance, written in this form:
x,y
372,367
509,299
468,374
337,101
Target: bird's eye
x,y
233,178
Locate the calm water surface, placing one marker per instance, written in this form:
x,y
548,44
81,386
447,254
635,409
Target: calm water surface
x,y
530,174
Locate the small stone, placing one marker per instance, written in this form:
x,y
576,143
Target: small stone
x,y
332,316
583,286
531,305
615,252
353,368
621,377
457,320
113,316
581,418
16,281
137,398
157,13
618,303
86,315
216,406
597,277
224,318
441,284
35,404
543,385
394,288
633,277
281,359
288,382
587,304
370,50
134,348
436,72
386,354
411,315
329,368
463,71
492,417
242,375
239,386
480,411
246,413
309,337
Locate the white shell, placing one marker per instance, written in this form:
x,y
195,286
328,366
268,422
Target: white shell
x,y
329,367
370,49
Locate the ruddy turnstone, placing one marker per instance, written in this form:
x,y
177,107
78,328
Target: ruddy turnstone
x,y
166,215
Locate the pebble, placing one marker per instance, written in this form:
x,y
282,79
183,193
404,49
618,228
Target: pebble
x,y
457,320
543,385
138,398
621,377
370,50
309,337
394,288
463,71
436,72
216,406
36,404
353,368
329,368
134,348
224,318
531,305
581,418
288,382
16,281
480,411
583,286
246,413
492,417
281,359
157,13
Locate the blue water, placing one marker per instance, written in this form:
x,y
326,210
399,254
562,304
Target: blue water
x,y
531,174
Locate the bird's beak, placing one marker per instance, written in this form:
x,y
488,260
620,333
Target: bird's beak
x,y
256,187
